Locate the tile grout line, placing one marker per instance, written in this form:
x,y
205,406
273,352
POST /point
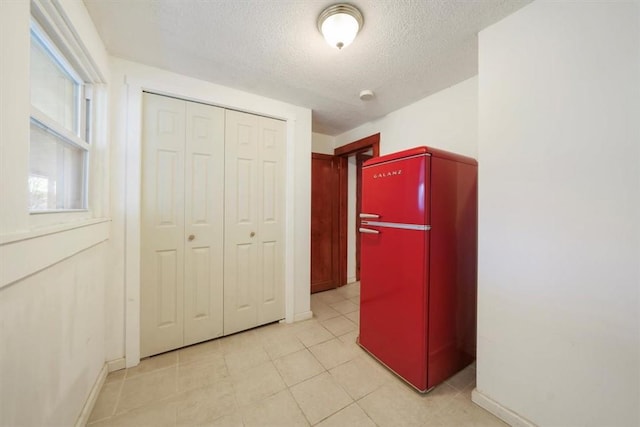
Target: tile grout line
x,y
328,371
288,389
172,395
115,407
177,364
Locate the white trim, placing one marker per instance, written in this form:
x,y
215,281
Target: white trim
x,y
16,237
51,126
302,316
116,365
47,220
22,257
83,418
133,179
54,53
289,227
57,25
134,89
506,415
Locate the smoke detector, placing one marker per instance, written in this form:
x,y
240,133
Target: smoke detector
x,y
366,95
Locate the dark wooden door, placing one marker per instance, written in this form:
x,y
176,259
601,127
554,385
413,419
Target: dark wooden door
x,y
324,223
360,159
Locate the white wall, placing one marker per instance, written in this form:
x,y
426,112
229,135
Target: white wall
x,y
52,268
129,80
447,120
14,114
52,338
321,143
559,243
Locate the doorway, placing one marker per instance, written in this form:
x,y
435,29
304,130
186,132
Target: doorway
x,y
333,222
361,150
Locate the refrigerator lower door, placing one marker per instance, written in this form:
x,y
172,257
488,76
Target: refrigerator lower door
x,y
393,300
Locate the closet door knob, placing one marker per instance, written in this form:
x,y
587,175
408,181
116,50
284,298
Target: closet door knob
x,y
191,237
253,233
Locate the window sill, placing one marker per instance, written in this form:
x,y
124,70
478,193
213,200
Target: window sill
x,y
58,211
23,254
51,219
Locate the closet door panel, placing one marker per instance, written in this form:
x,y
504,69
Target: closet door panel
x,y
212,213
204,223
242,272
271,206
162,225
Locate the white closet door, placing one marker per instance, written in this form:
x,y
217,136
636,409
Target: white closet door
x,y
241,272
271,142
182,224
204,223
162,228
253,283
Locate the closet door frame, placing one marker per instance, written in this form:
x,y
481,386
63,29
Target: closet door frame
x,y
137,80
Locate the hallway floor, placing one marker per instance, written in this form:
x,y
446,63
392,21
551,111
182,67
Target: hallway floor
x,y
300,374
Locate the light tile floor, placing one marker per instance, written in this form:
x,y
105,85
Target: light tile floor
x,y
301,374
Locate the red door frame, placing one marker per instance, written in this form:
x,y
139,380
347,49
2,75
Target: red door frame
x,y
342,154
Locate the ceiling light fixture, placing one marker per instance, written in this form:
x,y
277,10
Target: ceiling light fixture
x,y
339,24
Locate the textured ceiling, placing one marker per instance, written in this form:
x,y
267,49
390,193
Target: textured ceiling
x,y
407,49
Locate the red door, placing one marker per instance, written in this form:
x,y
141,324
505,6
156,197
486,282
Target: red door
x,y
324,223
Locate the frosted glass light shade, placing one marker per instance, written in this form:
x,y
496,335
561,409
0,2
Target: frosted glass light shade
x,y
339,24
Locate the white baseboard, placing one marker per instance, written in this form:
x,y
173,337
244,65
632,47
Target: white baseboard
x,y
116,365
83,418
303,316
506,415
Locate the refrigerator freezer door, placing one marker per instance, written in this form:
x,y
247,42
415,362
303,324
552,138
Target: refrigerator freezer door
x,y
395,191
393,300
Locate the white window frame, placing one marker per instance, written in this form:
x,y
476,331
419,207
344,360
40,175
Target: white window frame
x,y
32,243
80,137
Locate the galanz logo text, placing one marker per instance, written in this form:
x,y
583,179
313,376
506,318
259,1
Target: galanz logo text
x,y
387,174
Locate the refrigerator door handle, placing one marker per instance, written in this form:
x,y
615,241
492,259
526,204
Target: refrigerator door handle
x,y
368,215
368,230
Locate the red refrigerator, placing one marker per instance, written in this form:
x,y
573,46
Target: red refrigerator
x,y
418,263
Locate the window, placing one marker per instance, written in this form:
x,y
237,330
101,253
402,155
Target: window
x,y
60,123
